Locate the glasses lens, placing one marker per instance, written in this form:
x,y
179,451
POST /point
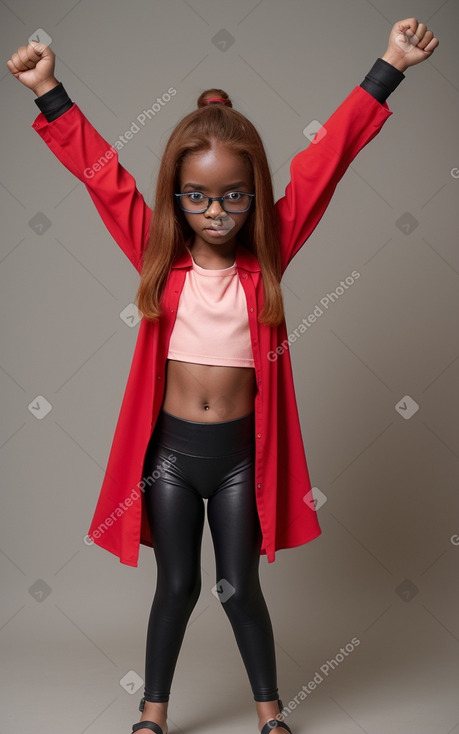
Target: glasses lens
x,y
236,202
195,202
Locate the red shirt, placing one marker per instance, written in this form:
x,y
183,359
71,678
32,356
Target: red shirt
x,y
287,515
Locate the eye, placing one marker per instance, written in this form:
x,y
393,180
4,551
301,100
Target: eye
x,y
196,196
234,196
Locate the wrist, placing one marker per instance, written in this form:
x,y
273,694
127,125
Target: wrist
x,y
45,86
399,63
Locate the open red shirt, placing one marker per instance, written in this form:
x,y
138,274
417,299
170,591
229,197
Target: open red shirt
x,y
287,514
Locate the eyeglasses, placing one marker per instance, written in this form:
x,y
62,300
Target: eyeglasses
x,y
235,202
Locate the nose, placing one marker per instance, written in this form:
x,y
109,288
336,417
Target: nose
x,y
215,210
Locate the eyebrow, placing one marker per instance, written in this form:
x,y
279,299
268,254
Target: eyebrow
x,y
200,187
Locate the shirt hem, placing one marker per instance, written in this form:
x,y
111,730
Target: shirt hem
x,y
203,359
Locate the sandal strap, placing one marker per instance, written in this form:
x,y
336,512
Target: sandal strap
x,y
274,724
147,725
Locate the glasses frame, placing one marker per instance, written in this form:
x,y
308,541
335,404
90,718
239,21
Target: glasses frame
x,y
220,200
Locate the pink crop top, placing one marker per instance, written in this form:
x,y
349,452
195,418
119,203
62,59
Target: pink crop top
x,y
212,325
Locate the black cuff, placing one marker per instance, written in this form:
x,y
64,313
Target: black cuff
x,y
382,79
54,102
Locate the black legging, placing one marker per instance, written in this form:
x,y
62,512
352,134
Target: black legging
x,y
187,462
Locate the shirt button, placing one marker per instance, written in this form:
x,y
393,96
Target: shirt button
x,y
258,435
251,308
244,275
258,485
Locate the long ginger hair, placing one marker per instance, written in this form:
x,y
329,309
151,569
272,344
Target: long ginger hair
x,y
169,231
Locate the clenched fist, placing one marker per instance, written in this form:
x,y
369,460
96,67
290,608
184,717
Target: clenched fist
x,y
409,43
33,65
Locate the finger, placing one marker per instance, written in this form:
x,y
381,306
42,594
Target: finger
x,y
409,24
27,62
17,61
37,47
405,33
12,67
431,46
427,37
420,31
412,38
35,51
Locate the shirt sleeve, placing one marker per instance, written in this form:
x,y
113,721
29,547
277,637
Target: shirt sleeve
x,y
54,102
316,171
382,79
88,156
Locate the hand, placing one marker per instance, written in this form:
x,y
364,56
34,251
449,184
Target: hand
x,y
409,43
33,65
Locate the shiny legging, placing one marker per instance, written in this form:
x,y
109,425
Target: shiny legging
x,y
188,462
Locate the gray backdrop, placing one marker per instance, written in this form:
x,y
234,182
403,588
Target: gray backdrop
x,y
376,375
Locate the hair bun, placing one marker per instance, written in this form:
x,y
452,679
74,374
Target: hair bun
x,y
214,96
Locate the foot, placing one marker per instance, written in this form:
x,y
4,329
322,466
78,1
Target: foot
x,y
269,710
156,712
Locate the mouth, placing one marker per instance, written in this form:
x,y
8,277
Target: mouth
x,y
216,231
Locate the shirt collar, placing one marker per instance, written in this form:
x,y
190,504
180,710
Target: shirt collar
x,y
245,260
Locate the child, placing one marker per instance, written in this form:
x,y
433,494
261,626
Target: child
x,y
209,410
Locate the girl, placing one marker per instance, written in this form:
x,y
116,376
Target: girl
x,y
209,410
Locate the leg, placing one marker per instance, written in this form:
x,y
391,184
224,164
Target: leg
x,y
236,534
176,518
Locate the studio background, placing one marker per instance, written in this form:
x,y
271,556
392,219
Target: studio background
x,y
376,375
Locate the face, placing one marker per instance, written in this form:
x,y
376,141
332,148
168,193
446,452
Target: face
x,y
216,172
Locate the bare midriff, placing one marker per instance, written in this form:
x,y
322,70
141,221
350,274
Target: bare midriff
x,y
208,393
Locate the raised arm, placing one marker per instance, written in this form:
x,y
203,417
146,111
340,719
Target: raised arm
x,y
316,171
84,152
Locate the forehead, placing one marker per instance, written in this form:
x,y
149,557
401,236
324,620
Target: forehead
x,y
216,166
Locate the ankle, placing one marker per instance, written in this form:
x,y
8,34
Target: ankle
x,y
268,710
154,709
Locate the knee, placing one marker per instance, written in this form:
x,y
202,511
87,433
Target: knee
x,y
182,591
241,595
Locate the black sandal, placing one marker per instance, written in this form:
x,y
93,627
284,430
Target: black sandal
x,y
147,724
275,723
